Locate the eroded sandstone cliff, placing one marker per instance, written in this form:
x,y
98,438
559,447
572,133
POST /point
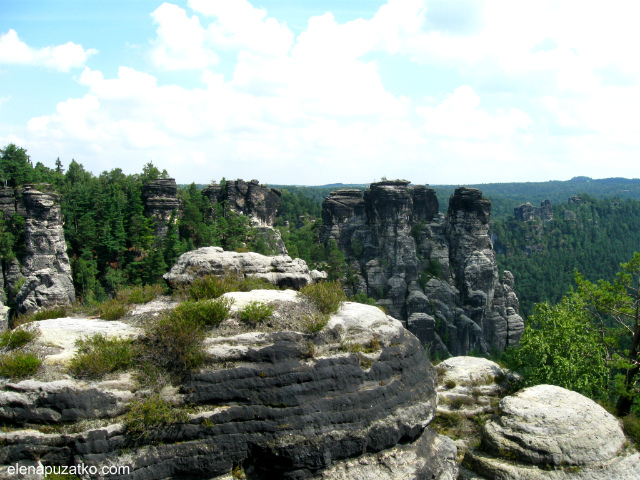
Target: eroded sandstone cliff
x,y
438,273
41,276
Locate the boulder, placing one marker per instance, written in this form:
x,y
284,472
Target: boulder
x,y
468,385
550,432
280,270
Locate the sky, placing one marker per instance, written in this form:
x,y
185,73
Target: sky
x,y
313,92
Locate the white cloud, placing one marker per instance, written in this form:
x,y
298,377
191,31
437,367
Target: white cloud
x,y
62,57
533,90
180,41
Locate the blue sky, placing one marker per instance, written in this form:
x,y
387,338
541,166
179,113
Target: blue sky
x,y
315,92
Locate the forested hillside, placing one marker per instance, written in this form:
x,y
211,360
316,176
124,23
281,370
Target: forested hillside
x,y
111,243
544,255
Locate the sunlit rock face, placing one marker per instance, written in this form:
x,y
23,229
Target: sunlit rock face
x,y
42,278
438,273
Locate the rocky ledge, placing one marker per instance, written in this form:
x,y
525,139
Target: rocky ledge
x,y
281,270
352,400
547,432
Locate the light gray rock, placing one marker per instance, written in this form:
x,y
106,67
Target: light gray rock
x,y
280,270
46,267
468,385
432,456
550,432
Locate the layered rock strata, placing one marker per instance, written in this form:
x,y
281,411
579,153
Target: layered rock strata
x,y
437,273
281,270
547,432
527,212
273,403
43,277
258,202
161,202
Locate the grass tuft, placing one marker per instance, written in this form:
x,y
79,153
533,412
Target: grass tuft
x,y
151,413
204,312
98,355
255,312
42,314
325,296
17,338
19,365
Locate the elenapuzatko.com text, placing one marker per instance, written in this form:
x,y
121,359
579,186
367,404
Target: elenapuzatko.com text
x,y
79,470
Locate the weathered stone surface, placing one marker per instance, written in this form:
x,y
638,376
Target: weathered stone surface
x,y
280,270
160,198
430,457
281,404
256,201
46,267
550,432
468,385
527,212
414,261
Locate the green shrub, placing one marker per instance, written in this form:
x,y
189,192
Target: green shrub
x,y
631,425
112,309
314,322
255,283
205,312
18,365
255,312
362,297
151,413
173,343
98,355
17,338
43,314
140,294
212,286
325,296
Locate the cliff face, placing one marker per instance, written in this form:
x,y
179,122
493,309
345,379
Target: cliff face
x,y
46,266
258,202
277,403
526,212
160,201
437,273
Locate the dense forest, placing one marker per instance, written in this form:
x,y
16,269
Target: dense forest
x,y
111,243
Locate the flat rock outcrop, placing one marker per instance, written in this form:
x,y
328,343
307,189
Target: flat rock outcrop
x,y
548,432
280,270
43,277
160,199
277,403
437,273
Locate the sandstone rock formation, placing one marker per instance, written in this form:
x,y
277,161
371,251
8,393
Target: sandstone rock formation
x,y
438,274
280,270
277,403
258,202
160,202
43,277
527,212
469,385
547,432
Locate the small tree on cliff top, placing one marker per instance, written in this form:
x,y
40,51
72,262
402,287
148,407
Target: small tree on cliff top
x,y
616,307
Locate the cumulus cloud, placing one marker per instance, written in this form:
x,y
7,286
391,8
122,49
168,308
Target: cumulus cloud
x,y
533,90
62,57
